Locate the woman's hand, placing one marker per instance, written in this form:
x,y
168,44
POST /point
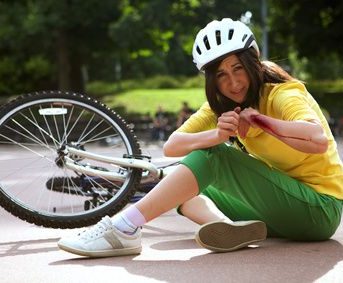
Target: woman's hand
x,y
246,121
227,124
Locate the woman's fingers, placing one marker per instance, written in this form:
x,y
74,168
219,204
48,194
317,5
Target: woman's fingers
x,y
237,121
230,116
243,128
245,121
237,110
247,113
228,121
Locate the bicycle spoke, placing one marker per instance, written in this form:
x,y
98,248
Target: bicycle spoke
x,y
29,138
40,128
56,127
41,194
73,126
85,129
93,138
35,120
27,144
95,127
25,147
66,126
56,143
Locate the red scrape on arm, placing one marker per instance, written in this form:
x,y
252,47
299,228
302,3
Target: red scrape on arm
x,y
265,125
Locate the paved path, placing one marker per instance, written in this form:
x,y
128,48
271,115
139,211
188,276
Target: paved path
x,y
29,254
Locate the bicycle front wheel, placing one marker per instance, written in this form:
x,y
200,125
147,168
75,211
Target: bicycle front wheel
x,y
35,186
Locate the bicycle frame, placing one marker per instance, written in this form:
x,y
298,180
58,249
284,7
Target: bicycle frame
x,y
150,173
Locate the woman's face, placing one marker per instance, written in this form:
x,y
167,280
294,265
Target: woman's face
x,y
232,79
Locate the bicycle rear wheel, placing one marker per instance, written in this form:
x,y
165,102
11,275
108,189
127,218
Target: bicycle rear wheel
x,y
34,187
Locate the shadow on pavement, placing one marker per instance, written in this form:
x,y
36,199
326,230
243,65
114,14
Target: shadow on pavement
x,y
274,259
27,247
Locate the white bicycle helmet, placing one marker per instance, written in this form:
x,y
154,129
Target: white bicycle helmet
x,y
219,38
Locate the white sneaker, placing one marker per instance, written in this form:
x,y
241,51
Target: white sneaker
x,y
102,240
222,236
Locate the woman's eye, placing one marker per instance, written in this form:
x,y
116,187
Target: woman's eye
x,y
238,68
220,75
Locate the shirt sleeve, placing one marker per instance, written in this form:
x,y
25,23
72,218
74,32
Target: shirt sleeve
x,y
293,104
202,120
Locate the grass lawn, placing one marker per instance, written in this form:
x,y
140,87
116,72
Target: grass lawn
x,y
147,100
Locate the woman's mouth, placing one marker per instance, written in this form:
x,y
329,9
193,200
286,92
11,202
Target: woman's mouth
x,y
239,95
238,92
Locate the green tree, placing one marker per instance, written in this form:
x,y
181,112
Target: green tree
x,y
59,44
59,37
314,29
156,36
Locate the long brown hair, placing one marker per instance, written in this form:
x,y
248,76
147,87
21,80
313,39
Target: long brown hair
x,y
259,72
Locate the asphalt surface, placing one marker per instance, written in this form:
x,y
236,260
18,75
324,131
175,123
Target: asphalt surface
x,y
28,253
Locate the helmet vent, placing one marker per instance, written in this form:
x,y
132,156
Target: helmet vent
x,y
244,37
198,50
230,34
219,41
207,44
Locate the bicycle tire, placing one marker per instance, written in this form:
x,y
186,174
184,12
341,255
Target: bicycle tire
x,y
32,129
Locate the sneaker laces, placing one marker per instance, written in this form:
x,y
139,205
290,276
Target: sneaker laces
x,y
103,225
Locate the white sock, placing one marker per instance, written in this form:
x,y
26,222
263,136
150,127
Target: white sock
x,y
123,224
129,220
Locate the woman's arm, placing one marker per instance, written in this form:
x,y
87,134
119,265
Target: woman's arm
x,y
180,143
305,136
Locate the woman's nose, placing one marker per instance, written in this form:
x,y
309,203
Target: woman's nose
x,y
234,82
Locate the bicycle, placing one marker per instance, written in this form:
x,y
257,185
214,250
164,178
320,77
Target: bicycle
x,y
77,160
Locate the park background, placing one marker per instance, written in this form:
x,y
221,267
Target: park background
x,y
136,55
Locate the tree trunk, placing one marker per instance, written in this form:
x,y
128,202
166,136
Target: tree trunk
x,y
76,76
64,67
69,65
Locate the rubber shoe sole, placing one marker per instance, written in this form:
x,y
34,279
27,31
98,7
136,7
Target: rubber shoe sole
x,y
226,237
103,253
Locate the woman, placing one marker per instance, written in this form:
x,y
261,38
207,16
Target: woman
x,y
285,179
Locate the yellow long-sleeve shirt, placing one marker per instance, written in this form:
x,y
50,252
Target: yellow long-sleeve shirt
x,y
288,101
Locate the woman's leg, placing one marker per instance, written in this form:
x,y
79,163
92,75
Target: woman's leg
x,y
218,232
249,187
201,210
120,235
177,188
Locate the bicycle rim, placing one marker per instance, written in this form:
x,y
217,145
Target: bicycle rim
x,y
33,128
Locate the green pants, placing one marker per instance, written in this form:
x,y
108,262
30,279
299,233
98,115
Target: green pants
x,y
245,188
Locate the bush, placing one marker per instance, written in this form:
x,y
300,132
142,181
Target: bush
x,y
329,95
101,88
29,74
327,86
328,67
195,82
158,82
